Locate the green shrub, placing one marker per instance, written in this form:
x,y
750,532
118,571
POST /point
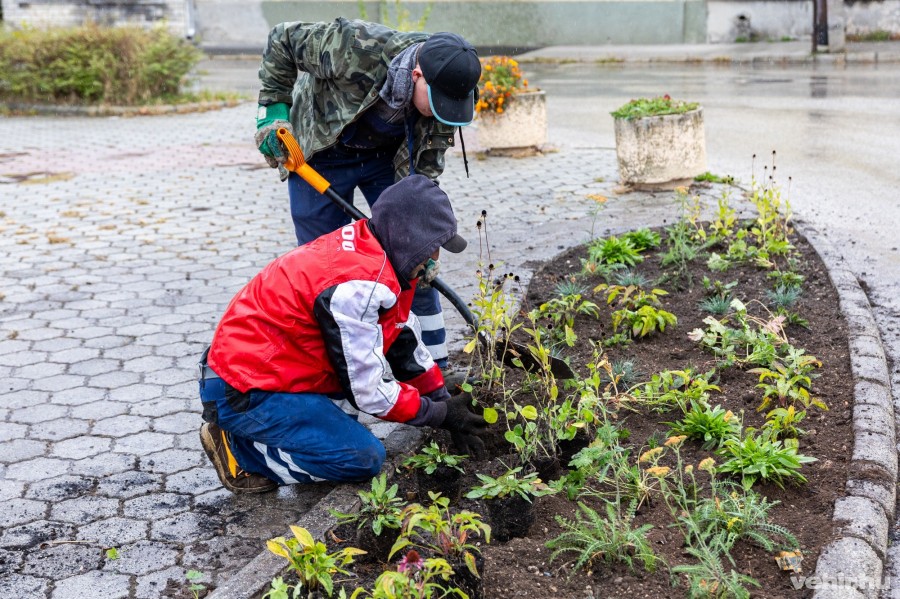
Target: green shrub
x,y
94,65
643,107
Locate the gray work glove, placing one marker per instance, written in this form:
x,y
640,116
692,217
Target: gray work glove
x,y
269,120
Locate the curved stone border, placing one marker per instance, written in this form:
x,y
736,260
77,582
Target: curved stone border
x,y
852,565
104,110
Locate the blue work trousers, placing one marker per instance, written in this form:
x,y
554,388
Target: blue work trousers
x,y
294,437
314,215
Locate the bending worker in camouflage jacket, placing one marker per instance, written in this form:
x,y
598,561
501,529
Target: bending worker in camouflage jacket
x,y
368,106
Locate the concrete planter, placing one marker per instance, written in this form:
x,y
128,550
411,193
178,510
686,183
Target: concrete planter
x,y
522,125
661,152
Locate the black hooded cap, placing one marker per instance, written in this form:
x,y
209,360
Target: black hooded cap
x,y
411,219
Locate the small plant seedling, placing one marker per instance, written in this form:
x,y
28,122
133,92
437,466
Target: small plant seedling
x,y
194,577
112,553
432,457
509,484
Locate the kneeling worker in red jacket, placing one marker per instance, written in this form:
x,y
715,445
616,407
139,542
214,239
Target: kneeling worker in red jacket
x,y
325,324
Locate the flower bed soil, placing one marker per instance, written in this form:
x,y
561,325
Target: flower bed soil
x,y
521,567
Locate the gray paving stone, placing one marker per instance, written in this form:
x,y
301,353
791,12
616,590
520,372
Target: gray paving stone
x,y
193,481
54,346
39,371
80,447
172,376
94,367
147,364
9,431
62,561
163,406
78,396
113,380
23,587
37,469
179,423
59,429
171,460
143,557
35,533
10,489
60,488
20,449
151,586
10,561
220,554
14,512
108,341
120,426
130,484
187,525
40,334
59,382
114,532
18,398
104,464
143,443
13,346
136,393
37,413
73,355
93,584
129,352
156,506
98,410
85,509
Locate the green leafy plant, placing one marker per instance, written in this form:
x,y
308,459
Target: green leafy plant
x,y
659,106
509,484
112,554
310,561
783,296
717,288
715,304
194,577
380,508
569,287
610,538
432,457
617,339
736,513
684,239
643,239
644,321
625,373
614,250
436,529
630,297
630,278
761,457
782,422
711,425
708,578
709,177
415,578
561,312
788,380
670,388
786,278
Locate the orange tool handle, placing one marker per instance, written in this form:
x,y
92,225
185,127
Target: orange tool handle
x,y
296,163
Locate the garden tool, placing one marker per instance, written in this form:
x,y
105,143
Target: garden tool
x,y
507,351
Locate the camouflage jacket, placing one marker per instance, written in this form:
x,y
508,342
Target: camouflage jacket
x,y
342,65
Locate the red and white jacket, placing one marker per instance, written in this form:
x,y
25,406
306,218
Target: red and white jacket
x,y
327,317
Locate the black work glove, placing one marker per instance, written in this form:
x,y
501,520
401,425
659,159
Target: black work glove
x,y
465,427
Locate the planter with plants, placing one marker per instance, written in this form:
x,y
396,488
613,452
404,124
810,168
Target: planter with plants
x,y
512,118
660,142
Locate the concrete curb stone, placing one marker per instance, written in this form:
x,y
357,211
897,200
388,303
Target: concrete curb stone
x,y
852,565
149,110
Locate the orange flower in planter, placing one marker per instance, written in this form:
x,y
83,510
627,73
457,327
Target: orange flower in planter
x,y
500,80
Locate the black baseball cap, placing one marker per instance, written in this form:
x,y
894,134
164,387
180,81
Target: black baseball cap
x,y
451,68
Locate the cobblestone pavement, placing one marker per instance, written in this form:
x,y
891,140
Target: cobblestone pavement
x,y
122,242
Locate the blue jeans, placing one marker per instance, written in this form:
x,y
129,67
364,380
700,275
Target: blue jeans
x,y
294,437
314,215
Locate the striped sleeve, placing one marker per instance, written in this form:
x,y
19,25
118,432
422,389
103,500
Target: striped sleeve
x,y
348,318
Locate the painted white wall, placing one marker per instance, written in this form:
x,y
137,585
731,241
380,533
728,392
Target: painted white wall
x,y
728,21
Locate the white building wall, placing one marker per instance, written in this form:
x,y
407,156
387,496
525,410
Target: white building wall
x,y
177,15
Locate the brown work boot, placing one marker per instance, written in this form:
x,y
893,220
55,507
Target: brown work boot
x,y
212,437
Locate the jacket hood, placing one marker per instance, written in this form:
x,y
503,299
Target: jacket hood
x,y
411,219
